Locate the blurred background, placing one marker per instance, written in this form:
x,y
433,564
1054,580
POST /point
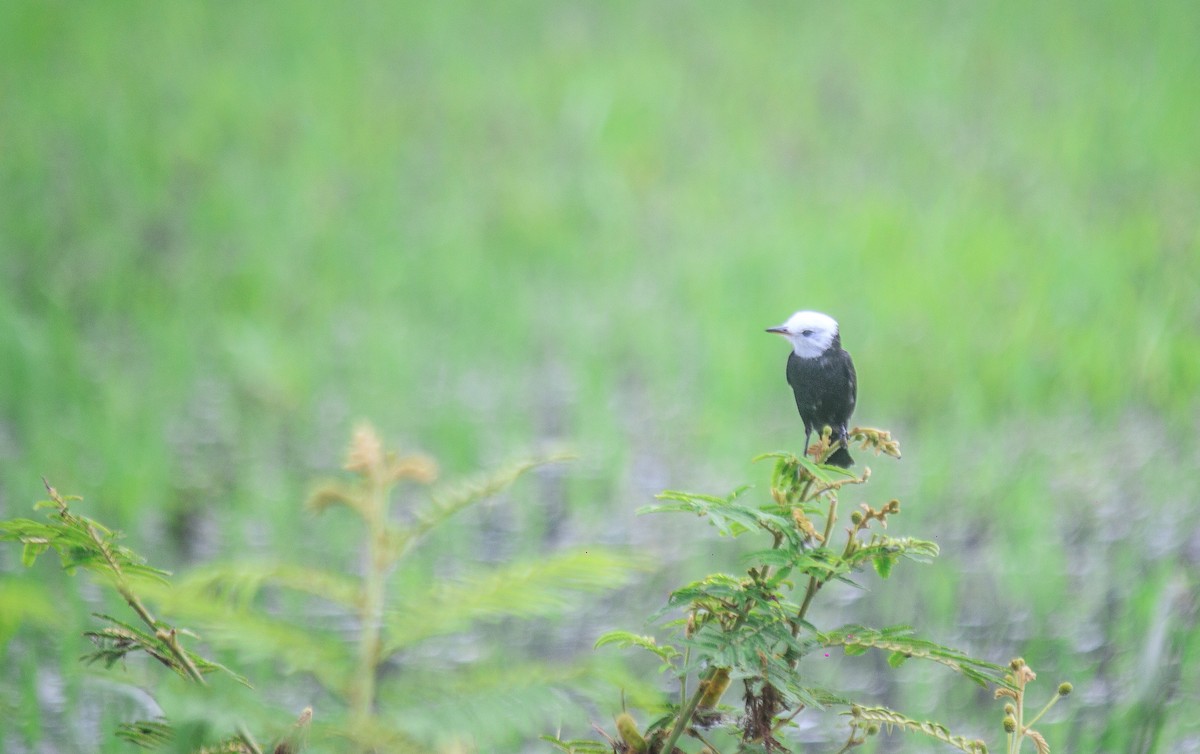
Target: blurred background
x,y
228,232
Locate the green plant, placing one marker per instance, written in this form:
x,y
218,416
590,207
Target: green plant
x,y
754,629
388,690
1016,727
84,543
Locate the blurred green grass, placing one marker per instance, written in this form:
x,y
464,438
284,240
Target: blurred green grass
x,y
228,231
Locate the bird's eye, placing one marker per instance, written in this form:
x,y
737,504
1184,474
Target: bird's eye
x,y
806,333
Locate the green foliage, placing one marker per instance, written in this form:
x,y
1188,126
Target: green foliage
x,y
118,639
146,734
542,588
867,721
624,639
83,543
225,228
579,746
899,642
1018,725
753,627
80,542
373,708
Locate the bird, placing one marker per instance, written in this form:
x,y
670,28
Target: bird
x,y
822,377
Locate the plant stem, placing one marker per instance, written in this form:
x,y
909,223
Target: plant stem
x,y
831,517
685,714
815,584
1045,709
687,656
248,740
1017,736
362,695
851,742
168,637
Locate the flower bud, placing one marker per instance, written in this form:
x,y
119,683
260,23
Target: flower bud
x,y
627,727
714,687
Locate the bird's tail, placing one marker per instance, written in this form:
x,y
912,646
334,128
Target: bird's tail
x,y
840,457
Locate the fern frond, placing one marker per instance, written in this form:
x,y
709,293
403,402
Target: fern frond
x,y
256,635
626,639
891,720
523,590
578,746
898,547
148,734
899,641
80,543
730,516
238,584
503,699
445,503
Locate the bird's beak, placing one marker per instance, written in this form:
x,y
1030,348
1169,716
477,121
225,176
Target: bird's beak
x,y
781,330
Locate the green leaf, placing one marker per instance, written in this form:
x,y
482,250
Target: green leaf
x,y
310,648
448,501
883,565
148,734
239,584
625,639
812,697
775,557
537,588
855,639
896,659
496,697
30,552
890,719
730,517
578,746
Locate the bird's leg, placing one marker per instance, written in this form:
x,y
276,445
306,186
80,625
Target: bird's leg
x,y
807,436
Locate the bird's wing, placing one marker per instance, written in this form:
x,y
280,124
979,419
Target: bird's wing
x,y
852,382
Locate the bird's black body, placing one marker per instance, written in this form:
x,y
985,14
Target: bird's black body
x,y
826,389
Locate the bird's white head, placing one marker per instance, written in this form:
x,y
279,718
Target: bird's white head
x,y
811,333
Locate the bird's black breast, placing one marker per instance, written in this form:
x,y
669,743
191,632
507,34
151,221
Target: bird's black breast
x,y
825,388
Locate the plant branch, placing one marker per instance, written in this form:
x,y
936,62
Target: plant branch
x,y
815,584
685,714
169,637
362,697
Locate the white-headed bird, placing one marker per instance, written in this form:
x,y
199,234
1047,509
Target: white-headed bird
x,y
822,377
